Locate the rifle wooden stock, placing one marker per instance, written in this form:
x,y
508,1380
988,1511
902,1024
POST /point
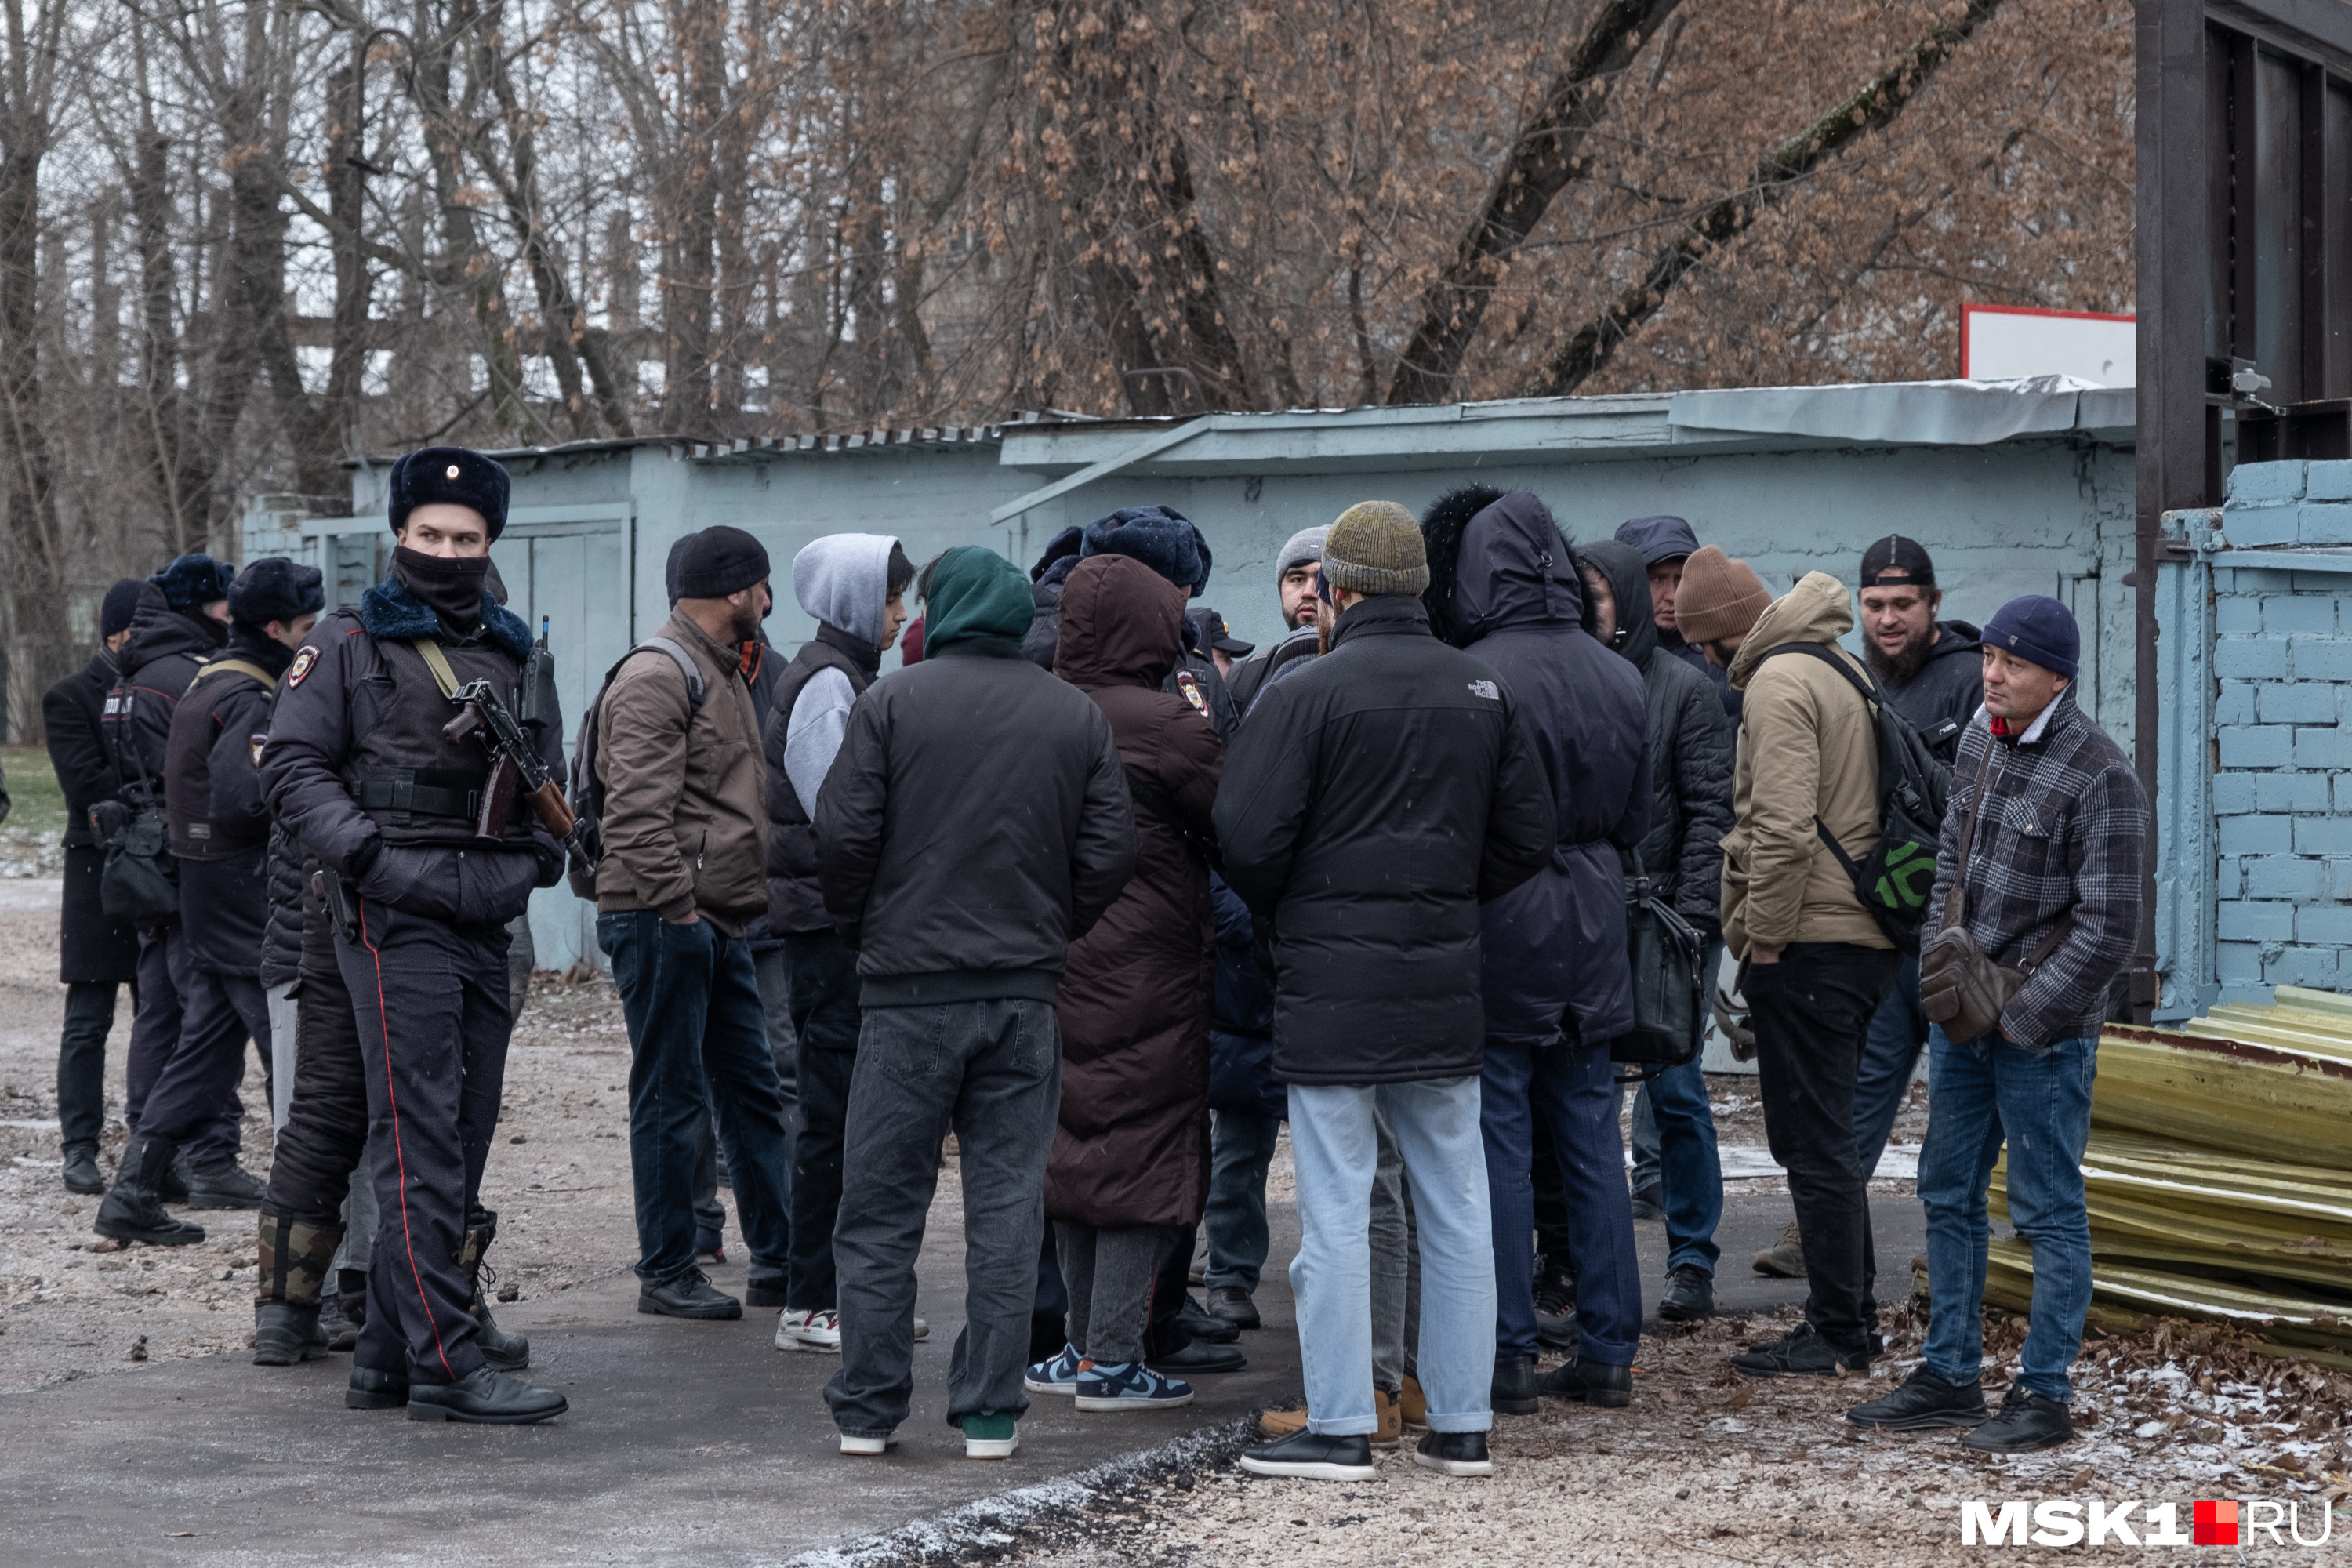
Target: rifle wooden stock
x,y
553,814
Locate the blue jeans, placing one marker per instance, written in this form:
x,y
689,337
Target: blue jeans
x,y
1241,1147
698,1043
1889,1056
1337,1149
1683,1162
2041,1101
1574,1090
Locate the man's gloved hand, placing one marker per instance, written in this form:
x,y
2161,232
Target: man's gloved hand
x,y
1731,1017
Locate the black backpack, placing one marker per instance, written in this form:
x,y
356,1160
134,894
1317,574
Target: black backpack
x,y
1893,881
588,790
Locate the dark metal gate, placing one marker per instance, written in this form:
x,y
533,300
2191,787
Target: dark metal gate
x,y
2244,253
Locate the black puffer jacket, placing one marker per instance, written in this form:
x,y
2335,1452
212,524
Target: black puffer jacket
x,y
1554,947
165,647
1373,802
1691,748
289,905
1946,692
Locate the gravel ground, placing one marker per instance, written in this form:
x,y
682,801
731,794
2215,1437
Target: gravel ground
x,y
73,1305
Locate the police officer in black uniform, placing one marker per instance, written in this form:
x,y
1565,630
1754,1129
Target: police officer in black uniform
x,y
359,765
181,619
219,834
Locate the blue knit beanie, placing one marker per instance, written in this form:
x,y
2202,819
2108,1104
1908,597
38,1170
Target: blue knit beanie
x,y
1161,537
194,580
122,603
2037,628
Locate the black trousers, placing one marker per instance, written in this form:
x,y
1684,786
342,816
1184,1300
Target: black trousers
x,y
1551,1200
327,1118
164,972
82,1061
1811,1015
825,1017
430,1001
218,1014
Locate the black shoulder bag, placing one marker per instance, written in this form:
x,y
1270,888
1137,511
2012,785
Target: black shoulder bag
x,y
1669,991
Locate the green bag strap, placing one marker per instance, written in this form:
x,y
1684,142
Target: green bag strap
x,y
237,665
437,662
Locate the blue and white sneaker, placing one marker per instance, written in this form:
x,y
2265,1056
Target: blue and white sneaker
x,y
1131,1385
1059,1376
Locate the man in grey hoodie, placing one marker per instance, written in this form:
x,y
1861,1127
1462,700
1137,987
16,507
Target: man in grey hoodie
x,y
853,585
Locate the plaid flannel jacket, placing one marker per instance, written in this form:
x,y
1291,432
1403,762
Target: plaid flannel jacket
x,y
2062,836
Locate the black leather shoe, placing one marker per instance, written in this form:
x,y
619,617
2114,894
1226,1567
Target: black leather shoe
x,y
767,1290
1690,1295
1555,1305
1925,1400
1196,1320
1454,1454
1232,1304
487,1398
1650,1205
1197,1358
1799,1353
227,1185
341,1318
2028,1421
502,1350
82,1174
1515,1385
1591,1383
285,1333
1310,1456
132,1211
689,1295
372,1390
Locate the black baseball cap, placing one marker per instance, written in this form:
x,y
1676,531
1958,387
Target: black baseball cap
x,y
1217,635
1898,562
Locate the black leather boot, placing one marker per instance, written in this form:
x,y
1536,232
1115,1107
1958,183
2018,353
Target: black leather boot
x,y
227,1185
132,1211
372,1390
1591,1383
503,1351
295,1260
1515,1391
82,1174
491,1398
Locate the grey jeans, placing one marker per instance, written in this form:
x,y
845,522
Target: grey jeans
x,y
1108,1274
991,1070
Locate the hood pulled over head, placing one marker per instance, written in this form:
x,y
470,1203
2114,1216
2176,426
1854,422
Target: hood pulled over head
x,y
844,580
975,593
1515,571
1818,609
1658,538
1122,625
1629,585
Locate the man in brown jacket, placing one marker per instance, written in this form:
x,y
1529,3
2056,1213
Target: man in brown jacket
x,y
1815,966
686,827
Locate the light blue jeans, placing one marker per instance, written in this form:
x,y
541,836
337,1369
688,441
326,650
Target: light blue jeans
x,y
1977,1095
1336,1149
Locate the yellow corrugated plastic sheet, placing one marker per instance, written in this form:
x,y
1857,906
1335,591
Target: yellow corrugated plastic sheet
x,y
2219,1177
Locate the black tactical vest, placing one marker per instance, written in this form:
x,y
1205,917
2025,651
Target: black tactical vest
x,y
415,783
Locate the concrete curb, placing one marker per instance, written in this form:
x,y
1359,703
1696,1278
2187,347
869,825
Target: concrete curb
x,y
989,1526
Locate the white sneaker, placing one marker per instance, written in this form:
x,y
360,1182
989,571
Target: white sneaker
x,y
867,1446
817,1332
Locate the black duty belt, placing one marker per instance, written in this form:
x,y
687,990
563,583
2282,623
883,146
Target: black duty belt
x,y
416,795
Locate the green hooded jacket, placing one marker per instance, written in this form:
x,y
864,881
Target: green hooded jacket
x,y
975,593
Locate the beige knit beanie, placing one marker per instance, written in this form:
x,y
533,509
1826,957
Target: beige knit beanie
x,y
1375,548
1719,597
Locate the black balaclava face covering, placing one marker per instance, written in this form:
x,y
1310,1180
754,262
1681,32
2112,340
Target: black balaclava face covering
x,y
216,632
248,641
451,586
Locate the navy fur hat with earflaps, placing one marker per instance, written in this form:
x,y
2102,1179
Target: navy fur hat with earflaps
x,y
1161,537
1442,527
193,581
276,589
454,476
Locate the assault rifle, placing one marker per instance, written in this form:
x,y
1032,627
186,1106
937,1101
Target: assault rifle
x,y
516,763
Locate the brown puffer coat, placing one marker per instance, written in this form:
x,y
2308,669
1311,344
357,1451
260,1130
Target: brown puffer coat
x,y
1132,1147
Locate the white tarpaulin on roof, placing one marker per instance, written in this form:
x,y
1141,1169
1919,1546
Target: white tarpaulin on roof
x,y
1942,413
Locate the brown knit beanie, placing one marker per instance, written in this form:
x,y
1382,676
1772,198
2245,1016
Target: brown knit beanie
x,y
1375,548
1719,597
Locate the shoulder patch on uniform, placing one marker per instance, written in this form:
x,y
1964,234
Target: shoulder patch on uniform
x,y
256,743
1487,689
304,658
1189,688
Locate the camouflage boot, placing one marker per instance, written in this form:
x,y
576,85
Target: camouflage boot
x,y
295,1258
503,1351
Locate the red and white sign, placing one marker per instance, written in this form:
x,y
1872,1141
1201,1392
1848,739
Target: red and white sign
x,y
1999,342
